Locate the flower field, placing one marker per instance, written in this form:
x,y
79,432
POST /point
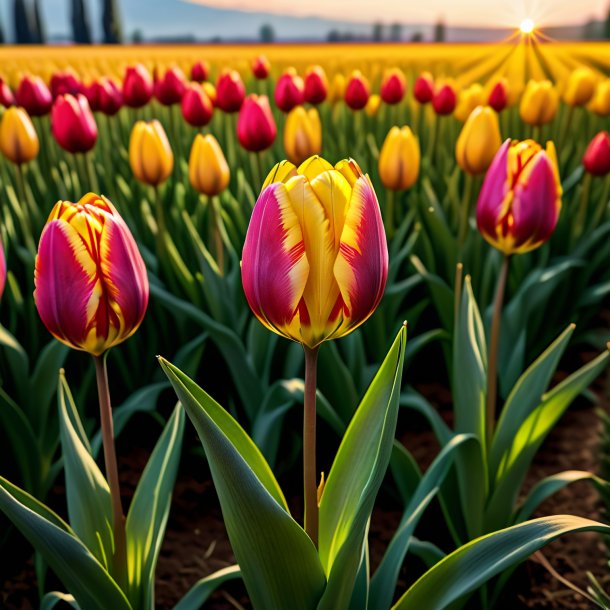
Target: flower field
x,y
264,265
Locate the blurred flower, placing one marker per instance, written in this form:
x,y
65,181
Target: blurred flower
x,y
316,85
399,159
65,82
393,86
372,106
357,91
230,91
150,154
539,103
200,71
478,141
337,89
256,128
91,284
18,138
138,86
197,109
73,124
7,97
597,155
520,199
600,104
468,100
302,134
104,96
315,258
289,90
210,91
260,67
444,100
34,96
423,89
498,96
580,87
208,169
170,88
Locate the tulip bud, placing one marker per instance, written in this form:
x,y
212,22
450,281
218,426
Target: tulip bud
x,y
444,100
260,67
316,85
580,87
399,159
468,100
302,134
478,141
256,128
91,287
597,155
196,106
600,104
18,138
423,89
539,103
199,71
73,124
372,106
289,91
171,87
230,91
358,91
498,96
104,96
6,95
315,258
150,154
520,199
65,82
337,90
209,172
393,86
138,86
33,95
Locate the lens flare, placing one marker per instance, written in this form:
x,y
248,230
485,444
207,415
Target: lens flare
x,y
527,26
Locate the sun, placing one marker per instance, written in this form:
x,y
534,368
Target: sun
x,y
527,26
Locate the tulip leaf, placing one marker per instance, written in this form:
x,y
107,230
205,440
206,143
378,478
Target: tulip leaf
x,y
355,478
279,563
475,563
199,593
51,599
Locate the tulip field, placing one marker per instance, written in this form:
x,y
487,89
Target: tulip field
x,y
305,327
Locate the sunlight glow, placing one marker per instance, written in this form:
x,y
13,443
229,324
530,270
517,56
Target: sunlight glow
x,y
527,26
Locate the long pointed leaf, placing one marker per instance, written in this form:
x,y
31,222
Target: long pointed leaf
x,y
199,593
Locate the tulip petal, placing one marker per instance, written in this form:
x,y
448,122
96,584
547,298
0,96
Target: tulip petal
x,y
491,203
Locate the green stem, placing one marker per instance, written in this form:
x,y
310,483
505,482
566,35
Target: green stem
x,y
465,210
309,444
230,139
91,177
255,163
218,245
536,133
390,211
581,219
24,212
602,205
161,226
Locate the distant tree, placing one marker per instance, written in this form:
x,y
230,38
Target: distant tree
x,y
591,30
333,36
267,33
111,22
38,28
2,36
396,32
417,37
377,32
23,23
607,25
137,37
81,31
440,31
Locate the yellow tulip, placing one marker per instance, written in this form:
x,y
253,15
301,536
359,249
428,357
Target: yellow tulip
x,y
150,154
302,134
372,106
539,103
469,99
337,89
479,141
600,104
580,87
18,138
208,169
399,159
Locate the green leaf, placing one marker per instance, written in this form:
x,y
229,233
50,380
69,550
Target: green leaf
x,y
279,563
475,563
199,593
355,477
51,599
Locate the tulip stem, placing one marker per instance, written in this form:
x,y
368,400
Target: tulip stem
x,y
465,210
602,207
112,473
494,341
218,245
255,163
309,444
390,201
24,211
161,229
88,160
581,219
229,138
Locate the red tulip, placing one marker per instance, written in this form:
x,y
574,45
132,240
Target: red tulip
x,y
498,96
104,96
393,86
170,88
34,96
256,128
423,89
72,123
138,86
316,85
65,82
200,71
230,91
260,67
597,155
444,100
289,91
357,91
6,95
196,106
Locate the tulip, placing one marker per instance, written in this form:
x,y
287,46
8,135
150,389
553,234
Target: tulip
x,y
91,287
65,82
372,106
138,86
256,128
597,156
600,104
200,71
18,138
33,95
539,103
478,141
302,134
171,87
423,89
210,91
150,154
208,169
316,85
393,86
230,91
260,67
196,106
580,87
399,159
73,124
498,96
520,199
468,100
289,91
444,100
105,96
357,92
7,97
337,90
